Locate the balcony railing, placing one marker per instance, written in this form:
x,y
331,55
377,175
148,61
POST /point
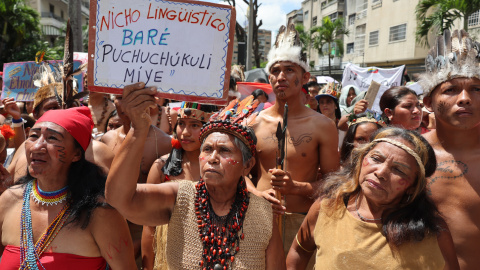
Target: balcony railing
x,y
51,15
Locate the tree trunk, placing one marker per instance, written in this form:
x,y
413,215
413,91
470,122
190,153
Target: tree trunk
x,y
75,14
329,65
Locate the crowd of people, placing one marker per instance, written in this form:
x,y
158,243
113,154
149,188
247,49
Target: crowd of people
x,y
315,180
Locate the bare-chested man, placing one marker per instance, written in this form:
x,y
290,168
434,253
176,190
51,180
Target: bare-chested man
x,y
453,94
311,142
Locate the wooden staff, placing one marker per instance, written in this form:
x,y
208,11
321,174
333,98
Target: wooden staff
x,y
281,137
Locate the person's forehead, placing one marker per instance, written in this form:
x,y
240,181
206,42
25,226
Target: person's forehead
x,y
285,64
314,88
49,127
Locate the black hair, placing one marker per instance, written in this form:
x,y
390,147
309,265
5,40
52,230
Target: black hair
x,y
86,189
347,144
391,98
30,121
259,92
312,84
112,114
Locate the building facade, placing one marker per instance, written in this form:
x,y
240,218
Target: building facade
x,y
313,11
54,16
264,45
383,34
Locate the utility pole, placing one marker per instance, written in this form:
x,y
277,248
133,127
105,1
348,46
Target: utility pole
x,y
250,36
75,15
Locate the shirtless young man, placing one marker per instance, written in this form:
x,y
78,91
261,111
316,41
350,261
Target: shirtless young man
x,y
311,143
453,94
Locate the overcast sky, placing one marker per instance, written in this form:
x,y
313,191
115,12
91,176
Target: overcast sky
x,y
271,12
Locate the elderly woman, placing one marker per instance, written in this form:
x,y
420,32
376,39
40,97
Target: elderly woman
x,y
375,213
402,108
181,164
214,223
64,222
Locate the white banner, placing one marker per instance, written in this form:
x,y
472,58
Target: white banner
x,y
362,77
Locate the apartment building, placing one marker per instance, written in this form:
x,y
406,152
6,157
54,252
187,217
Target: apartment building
x,y
264,45
312,13
383,34
54,15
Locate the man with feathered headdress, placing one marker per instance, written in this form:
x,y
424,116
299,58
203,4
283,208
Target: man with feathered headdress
x,y
451,85
306,148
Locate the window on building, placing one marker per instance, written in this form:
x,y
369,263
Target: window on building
x,y
351,19
305,15
333,16
473,19
398,32
376,3
323,4
350,48
314,22
52,9
373,38
61,13
361,9
360,37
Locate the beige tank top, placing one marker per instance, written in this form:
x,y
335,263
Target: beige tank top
x,y
184,248
349,243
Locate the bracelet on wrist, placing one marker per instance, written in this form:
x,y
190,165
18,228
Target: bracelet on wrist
x,y
17,121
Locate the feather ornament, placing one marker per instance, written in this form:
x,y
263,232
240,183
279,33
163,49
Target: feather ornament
x,y
453,55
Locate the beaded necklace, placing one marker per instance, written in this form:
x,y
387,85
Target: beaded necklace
x,y
220,235
48,197
30,253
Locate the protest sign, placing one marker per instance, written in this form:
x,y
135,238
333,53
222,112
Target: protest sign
x,y
362,77
182,47
18,79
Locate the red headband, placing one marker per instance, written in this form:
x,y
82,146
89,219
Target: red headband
x,y
76,121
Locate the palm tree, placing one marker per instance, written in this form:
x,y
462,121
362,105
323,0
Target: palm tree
x,y
20,36
328,34
436,16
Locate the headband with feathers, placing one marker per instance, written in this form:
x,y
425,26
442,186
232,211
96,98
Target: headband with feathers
x,y
287,47
230,120
452,56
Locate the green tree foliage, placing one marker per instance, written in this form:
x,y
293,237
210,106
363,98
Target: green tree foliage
x,y
328,34
20,36
435,16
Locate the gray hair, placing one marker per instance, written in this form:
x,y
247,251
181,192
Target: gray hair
x,y
246,153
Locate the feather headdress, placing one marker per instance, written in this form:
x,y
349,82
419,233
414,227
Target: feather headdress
x,y
229,121
287,47
56,80
452,56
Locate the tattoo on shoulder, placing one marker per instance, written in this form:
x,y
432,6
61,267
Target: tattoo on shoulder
x,y
307,137
449,170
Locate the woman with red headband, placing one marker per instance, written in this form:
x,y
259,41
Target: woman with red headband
x,y
59,204
214,223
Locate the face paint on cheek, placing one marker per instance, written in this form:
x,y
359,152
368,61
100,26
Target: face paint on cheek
x,y
297,82
442,107
232,162
60,153
403,184
365,162
202,158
